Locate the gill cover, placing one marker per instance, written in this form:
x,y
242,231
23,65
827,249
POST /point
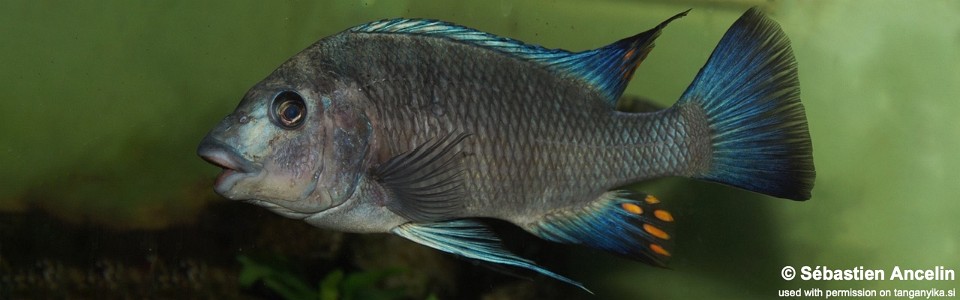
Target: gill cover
x,y
348,145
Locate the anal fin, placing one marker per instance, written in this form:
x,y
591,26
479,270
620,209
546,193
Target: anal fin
x,y
473,240
621,222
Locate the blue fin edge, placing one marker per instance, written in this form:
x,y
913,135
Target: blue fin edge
x,y
622,222
473,240
750,93
463,34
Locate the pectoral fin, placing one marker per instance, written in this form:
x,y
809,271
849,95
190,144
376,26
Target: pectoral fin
x,y
473,240
424,183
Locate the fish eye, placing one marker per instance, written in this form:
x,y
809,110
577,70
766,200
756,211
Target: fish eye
x,y
288,110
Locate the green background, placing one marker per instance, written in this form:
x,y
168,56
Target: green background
x,y
103,103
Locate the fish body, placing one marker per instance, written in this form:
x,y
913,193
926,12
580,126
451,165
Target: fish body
x,y
418,127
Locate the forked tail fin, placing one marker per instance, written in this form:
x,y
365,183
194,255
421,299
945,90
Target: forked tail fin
x,y
749,92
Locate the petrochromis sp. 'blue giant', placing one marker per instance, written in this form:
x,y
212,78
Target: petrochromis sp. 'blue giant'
x,y
420,127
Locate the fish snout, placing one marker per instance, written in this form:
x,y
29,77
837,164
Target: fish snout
x,y
233,164
218,153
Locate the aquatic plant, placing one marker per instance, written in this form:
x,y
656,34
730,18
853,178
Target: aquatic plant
x,y
335,285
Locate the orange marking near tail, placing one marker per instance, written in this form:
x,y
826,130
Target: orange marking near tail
x,y
632,208
657,232
659,250
663,215
628,73
651,199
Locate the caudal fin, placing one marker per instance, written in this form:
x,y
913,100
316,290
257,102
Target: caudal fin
x,y
750,95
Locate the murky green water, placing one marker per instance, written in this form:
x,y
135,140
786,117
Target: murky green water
x,y
104,103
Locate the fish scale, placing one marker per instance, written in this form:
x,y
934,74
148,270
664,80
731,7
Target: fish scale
x,y
511,122
513,114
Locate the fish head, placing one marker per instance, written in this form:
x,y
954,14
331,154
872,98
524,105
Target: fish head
x,y
295,144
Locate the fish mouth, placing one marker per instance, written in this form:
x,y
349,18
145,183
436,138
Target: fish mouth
x,y
234,166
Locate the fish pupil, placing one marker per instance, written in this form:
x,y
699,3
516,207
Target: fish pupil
x,y
291,113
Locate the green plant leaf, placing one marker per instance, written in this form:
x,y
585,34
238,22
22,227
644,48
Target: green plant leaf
x,y
362,285
276,278
329,286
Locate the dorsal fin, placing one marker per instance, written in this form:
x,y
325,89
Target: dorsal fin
x,y
608,69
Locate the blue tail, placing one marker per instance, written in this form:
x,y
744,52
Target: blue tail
x,y
750,95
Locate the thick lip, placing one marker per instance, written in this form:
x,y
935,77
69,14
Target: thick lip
x,y
233,165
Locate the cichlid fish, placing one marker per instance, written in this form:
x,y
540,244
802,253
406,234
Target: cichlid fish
x,y
419,127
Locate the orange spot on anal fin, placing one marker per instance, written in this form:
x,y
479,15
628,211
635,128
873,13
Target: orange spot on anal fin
x,y
632,208
650,199
657,232
659,250
663,215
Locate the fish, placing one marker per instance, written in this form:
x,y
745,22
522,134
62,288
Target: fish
x,y
423,128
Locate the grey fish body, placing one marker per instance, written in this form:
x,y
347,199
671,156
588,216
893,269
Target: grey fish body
x,y
418,127
538,142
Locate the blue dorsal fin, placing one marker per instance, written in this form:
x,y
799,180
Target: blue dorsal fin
x,y
608,69
611,67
